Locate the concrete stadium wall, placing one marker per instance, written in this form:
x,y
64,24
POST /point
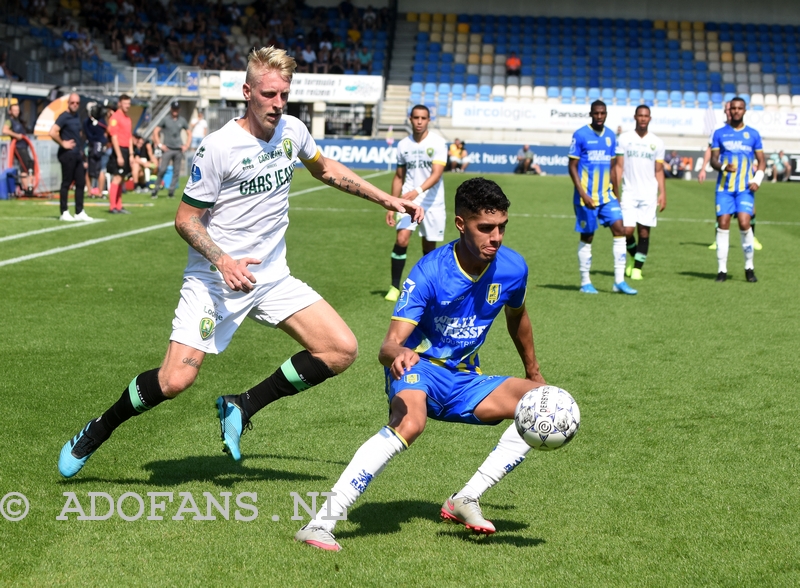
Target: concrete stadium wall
x,y
744,11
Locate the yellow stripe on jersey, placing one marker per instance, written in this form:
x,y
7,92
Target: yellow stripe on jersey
x,y
317,155
404,320
462,367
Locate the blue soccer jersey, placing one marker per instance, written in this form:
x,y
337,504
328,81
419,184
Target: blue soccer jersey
x,y
453,310
736,146
594,153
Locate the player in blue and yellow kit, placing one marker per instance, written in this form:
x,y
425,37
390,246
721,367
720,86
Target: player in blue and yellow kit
x,y
592,157
430,355
733,149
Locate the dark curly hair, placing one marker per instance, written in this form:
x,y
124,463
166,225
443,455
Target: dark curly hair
x,y
479,194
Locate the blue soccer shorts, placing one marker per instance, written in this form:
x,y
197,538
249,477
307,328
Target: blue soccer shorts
x,y
586,219
735,202
452,395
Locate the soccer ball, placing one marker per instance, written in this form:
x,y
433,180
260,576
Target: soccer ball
x,y
547,418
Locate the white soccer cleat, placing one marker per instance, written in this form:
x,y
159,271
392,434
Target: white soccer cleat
x,y
82,216
317,537
67,217
467,511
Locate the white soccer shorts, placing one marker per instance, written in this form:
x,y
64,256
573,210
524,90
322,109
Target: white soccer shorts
x,y
208,314
432,227
638,210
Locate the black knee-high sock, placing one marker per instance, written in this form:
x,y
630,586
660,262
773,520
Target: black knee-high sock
x,y
142,394
641,252
630,243
299,372
398,263
753,223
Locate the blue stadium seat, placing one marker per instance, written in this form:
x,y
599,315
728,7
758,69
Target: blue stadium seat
x,y
607,95
430,88
635,97
621,96
703,99
485,90
566,95
553,92
675,97
471,90
430,78
594,94
662,97
580,95
415,98
648,97
416,88
472,79
689,99
445,68
457,90
443,88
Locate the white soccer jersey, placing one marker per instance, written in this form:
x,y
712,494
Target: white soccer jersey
x,y
244,183
639,165
419,159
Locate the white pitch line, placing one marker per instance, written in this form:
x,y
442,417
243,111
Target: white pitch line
x,y
48,230
84,244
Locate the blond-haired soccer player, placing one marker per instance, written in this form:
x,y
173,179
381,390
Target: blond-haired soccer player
x,y
233,215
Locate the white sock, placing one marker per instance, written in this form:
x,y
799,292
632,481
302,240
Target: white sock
x,y
508,454
620,251
747,247
722,250
585,261
368,462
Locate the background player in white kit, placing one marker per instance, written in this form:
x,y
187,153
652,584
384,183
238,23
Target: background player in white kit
x,y
421,159
640,165
233,214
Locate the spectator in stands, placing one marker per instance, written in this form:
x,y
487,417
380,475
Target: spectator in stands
x,y
116,42
525,162
337,61
14,127
364,59
199,130
457,156
5,71
69,52
351,57
308,59
781,167
323,59
513,65
370,19
346,9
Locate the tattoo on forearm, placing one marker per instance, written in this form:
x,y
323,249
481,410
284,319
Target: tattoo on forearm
x,y
195,234
348,185
192,362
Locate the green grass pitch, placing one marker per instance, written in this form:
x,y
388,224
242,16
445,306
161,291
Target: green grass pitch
x,y
686,470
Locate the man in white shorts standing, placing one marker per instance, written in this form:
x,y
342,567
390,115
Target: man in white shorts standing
x,y
640,164
233,215
421,159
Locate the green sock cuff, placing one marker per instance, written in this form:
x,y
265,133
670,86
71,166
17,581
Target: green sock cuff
x,y
292,376
136,401
395,256
640,257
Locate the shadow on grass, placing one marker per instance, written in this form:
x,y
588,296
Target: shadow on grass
x,y
378,292
385,518
695,243
218,470
701,275
573,288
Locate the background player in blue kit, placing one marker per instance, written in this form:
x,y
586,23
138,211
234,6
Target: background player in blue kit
x,y
592,159
733,149
430,355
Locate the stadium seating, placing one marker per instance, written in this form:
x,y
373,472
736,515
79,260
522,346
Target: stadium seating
x,y
572,61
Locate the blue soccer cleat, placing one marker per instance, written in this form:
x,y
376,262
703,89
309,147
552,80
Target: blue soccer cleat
x,y
81,444
588,289
625,289
232,424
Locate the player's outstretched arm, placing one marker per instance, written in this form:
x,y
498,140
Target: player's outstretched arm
x,y
393,354
521,331
762,165
342,178
188,223
619,167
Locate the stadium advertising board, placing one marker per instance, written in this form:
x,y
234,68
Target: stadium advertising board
x,y
568,117
483,157
335,89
